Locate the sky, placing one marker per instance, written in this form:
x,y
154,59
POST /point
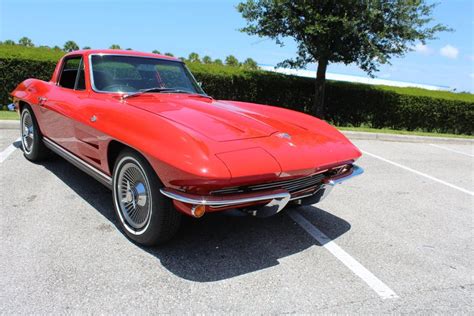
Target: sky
x,y
210,27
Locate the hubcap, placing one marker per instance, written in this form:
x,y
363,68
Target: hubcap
x,y
27,135
133,196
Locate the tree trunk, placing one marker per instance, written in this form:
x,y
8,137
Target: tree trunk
x,y
318,108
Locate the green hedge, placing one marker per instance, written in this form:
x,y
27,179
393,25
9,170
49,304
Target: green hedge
x,y
13,71
348,104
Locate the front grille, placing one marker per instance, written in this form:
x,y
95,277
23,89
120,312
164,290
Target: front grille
x,y
291,186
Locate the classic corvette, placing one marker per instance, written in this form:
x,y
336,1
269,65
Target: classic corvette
x,y
141,125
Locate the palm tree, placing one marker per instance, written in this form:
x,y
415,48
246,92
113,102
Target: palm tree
x,y
249,63
70,46
232,61
25,41
194,58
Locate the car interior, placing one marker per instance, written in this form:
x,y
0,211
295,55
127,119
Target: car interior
x,y
68,79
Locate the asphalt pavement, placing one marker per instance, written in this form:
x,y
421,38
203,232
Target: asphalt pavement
x,y
398,239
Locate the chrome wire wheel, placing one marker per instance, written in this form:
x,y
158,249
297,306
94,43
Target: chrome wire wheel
x,y
133,197
27,132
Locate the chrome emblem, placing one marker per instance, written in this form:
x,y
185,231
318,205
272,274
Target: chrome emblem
x,y
284,135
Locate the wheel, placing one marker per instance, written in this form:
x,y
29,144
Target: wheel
x,y
31,138
145,215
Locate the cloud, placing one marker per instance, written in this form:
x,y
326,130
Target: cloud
x,y
423,49
449,52
471,75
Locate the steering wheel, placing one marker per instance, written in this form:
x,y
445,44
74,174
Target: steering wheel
x,y
119,88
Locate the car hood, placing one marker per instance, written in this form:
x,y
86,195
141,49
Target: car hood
x,y
219,121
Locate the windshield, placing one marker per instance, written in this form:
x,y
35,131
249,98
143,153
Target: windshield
x,y
130,74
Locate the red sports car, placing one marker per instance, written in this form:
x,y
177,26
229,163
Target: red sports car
x,y
140,124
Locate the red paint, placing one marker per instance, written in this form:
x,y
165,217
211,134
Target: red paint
x,y
193,143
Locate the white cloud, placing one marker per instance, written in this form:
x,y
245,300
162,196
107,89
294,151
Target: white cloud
x,y
423,49
449,51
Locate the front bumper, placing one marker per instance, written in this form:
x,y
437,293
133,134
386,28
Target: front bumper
x,y
263,203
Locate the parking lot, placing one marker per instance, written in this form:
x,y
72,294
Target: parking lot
x,y
397,239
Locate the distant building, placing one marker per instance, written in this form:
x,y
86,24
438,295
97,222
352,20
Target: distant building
x,y
352,78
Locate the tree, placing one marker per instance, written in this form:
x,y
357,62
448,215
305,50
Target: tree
x,y
86,47
194,58
69,46
207,60
155,51
129,48
367,33
56,48
249,63
218,61
232,61
9,42
169,54
25,41
114,46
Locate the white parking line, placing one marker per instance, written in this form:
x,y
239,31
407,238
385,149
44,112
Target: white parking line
x,y
378,286
7,152
453,150
420,173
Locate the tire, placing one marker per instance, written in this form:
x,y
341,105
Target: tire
x,y
31,137
144,214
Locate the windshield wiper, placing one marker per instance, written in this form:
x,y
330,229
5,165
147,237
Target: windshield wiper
x,y
155,89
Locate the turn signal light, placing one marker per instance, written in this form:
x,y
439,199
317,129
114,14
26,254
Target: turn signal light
x,y
198,210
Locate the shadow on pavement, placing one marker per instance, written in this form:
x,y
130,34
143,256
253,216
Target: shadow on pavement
x,y
217,246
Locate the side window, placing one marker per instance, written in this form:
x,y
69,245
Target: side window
x,y
72,74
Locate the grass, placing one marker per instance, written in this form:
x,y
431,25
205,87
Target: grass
x,y
9,115
399,132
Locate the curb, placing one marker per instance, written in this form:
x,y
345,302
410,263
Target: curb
x,y
406,138
15,124
10,124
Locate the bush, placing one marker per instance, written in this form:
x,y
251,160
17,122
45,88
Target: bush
x,y
13,71
348,104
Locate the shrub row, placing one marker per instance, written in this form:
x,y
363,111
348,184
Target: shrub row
x,y
347,104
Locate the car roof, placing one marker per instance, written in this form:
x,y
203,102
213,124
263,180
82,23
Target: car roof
x,y
87,52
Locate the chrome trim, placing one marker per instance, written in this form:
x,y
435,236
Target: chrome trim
x,y
356,171
278,199
328,184
79,163
293,185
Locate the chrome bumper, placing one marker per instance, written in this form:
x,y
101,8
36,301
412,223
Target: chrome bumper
x,y
275,200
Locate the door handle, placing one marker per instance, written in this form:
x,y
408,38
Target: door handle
x,y
42,100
